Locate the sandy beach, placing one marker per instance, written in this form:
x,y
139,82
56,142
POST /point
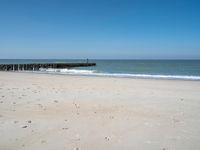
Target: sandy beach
x,y
62,112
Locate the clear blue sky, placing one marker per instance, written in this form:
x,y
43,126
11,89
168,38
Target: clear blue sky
x,y
126,29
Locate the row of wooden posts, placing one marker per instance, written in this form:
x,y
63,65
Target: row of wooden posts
x,y
36,67
18,67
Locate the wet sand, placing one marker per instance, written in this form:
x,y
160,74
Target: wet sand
x,y
57,112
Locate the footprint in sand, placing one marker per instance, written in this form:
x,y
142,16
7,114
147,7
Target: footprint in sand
x,y
166,149
43,141
77,137
56,101
107,138
176,120
111,117
76,105
65,128
40,105
15,122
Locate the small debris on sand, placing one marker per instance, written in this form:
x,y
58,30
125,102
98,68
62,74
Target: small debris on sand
x,y
29,121
77,148
1,102
14,102
24,126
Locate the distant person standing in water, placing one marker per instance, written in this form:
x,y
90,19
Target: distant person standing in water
x,y
87,60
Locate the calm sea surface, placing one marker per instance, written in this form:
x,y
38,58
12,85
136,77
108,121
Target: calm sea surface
x,y
172,69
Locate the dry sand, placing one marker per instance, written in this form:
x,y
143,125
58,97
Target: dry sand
x,y
57,112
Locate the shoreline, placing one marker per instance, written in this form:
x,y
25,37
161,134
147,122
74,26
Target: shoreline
x,y
110,76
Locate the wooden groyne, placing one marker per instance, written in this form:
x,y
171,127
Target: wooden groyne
x,y
36,67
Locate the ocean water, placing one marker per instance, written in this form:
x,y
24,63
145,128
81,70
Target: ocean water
x,y
164,69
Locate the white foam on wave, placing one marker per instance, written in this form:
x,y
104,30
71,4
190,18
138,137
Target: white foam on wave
x,y
94,73
66,71
154,76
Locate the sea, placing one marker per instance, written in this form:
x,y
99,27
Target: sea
x,y
156,69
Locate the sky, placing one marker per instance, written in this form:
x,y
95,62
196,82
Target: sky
x,y
99,29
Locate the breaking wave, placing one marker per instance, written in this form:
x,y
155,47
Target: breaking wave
x,y
95,73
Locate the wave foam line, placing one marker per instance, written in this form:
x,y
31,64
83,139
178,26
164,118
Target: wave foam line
x,y
94,73
70,71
